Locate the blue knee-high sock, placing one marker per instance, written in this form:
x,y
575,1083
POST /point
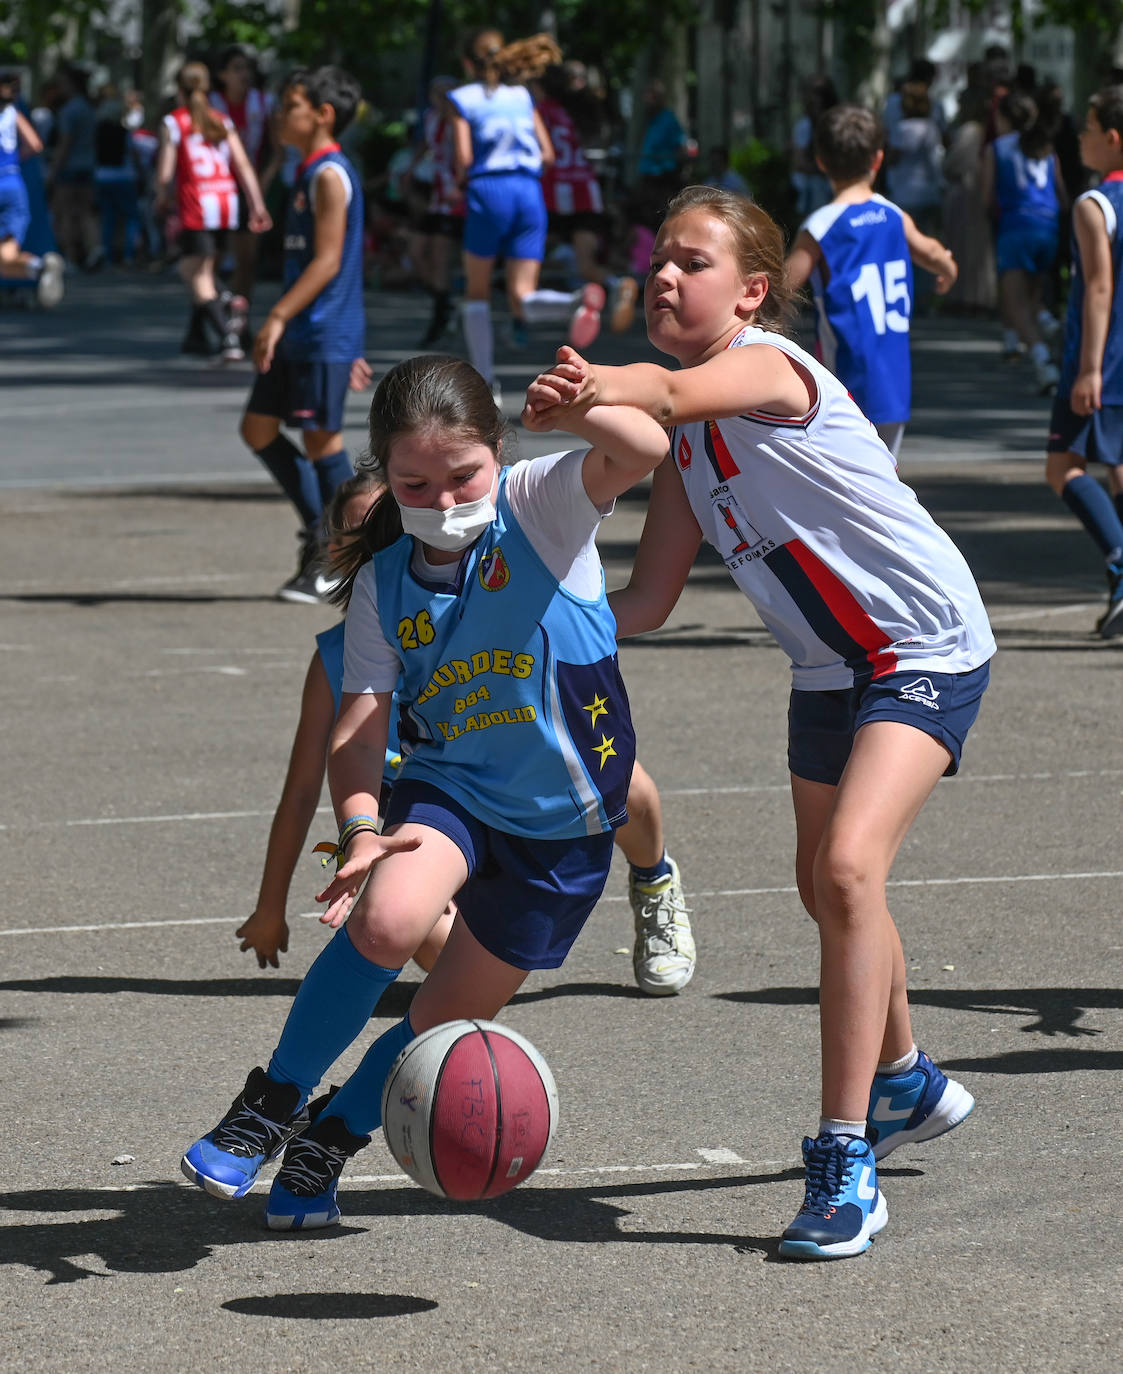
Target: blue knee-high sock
x,y
330,472
295,476
359,1101
1095,510
332,1006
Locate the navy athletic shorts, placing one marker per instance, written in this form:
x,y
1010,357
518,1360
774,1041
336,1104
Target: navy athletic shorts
x,y
303,395
1098,438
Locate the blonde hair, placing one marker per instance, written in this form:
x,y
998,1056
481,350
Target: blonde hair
x,y
512,63
194,82
758,245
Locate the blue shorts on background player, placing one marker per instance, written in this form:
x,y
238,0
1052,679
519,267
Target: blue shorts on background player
x,y
19,139
305,349
1023,189
477,593
1087,420
858,252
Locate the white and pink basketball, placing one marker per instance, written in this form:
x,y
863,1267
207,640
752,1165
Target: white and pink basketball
x,y
469,1109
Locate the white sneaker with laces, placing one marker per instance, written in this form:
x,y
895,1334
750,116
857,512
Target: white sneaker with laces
x,y
664,953
1046,376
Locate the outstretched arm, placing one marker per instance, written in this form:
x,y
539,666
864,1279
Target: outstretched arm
x,y
930,254
666,553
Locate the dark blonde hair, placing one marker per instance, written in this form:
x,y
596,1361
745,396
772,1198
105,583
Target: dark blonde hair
x,y
525,59
436,394
194,82
758,245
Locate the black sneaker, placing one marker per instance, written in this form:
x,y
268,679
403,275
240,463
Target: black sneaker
x,y
303,1193
1110,624
262,1119
309,585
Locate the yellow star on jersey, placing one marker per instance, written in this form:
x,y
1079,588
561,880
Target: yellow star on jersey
x,y
604,748
597,709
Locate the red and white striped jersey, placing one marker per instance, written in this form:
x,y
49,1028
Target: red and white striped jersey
x,y
447,197
205,185
570,185
844,565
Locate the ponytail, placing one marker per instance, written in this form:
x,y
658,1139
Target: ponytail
x,y
194,82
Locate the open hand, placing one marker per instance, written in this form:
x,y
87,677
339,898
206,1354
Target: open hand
x,y
365,851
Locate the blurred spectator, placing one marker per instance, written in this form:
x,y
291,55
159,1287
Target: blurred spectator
x,y
145,145
70,180
115,180
723,175
921,73
661,155
915,154
967,227
811,187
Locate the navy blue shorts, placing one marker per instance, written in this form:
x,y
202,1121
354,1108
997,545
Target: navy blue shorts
x,y
1025,249
506,214
1097,438
304,395
15,215
525,900
822,725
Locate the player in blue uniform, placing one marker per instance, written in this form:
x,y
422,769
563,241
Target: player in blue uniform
x,y
501,146
1022,186
483,592
18,137
305,349
858,252
1087,420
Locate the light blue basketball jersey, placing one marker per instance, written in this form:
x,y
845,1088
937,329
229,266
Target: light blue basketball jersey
x,y
512,698
502,124
863,301
9,141
333,327
1109,196
1025,187
329,645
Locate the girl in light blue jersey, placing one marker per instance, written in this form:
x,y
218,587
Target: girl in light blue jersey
x,y
478,591
501,147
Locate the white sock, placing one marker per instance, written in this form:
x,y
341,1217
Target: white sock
x,y
475,317
1040,353
830,1125
547,307
902,1065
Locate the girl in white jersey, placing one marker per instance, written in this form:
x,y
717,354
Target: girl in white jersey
x,y
773,463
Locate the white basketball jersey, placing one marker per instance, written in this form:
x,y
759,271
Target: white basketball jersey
x,y
846,568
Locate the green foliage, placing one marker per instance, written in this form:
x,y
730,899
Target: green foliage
x,y
248,22
768,173
33,26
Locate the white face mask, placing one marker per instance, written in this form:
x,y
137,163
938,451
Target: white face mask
x,y
452,529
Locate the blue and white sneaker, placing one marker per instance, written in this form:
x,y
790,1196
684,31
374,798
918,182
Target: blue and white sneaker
x,y
918,1105
303,1194
262,1119
843,1208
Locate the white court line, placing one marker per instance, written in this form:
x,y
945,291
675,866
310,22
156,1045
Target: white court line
x,y
735,789
721,1160
1008,618
786,888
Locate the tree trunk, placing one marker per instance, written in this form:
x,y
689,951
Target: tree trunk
x,y
159,53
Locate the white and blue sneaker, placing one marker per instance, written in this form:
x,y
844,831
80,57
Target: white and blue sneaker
x,y
919,1104
262,1119
303,1194
843,1208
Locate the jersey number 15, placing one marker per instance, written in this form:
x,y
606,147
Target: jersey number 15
x,y
868,287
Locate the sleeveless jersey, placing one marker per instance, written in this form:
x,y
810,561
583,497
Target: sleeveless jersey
x,y
569,184
446,198
207,191
848,571
250,118
329,645
1025,187
333,327
9,141
512,699
863,302
1109,197
502,124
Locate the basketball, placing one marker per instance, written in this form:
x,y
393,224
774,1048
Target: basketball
x,y
469,1109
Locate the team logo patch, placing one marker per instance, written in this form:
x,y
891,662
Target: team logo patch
x,y
494,571
922,692
735,532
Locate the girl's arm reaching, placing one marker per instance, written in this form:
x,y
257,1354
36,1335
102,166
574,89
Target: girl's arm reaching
x,y
756,377
666,553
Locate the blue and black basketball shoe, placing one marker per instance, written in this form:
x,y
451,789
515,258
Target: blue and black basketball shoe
x,y
917,1105
262,1119
843,1208
303,1194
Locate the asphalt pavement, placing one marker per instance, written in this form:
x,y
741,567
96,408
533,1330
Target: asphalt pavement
x,y
150,689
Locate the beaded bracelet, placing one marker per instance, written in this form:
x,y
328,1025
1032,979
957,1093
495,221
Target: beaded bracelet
x,y
354,825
